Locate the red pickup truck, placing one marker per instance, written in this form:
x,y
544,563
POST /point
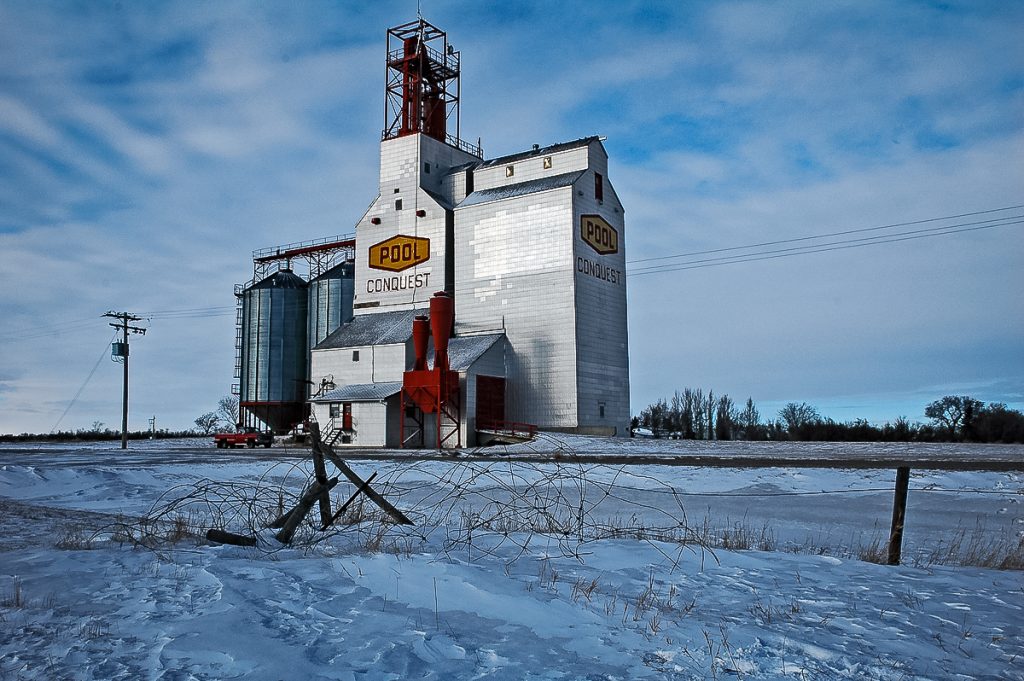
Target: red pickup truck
x,y
248,439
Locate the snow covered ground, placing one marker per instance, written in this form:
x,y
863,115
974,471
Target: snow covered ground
x,y
608,590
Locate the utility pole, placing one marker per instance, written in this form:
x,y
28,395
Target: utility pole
x,y
122,352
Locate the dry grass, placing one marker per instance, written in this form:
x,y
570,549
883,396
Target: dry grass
x,y
15,598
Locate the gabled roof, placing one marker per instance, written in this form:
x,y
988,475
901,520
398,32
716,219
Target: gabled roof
x,y
362,392
542,151
382,328
509,191
519,156
463,351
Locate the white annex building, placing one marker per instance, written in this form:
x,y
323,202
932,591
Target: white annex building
x,y
530,250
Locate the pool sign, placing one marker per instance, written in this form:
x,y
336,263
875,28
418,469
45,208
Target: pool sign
x,y
399,253
598,234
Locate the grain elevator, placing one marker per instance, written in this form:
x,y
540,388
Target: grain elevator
x,y
475,297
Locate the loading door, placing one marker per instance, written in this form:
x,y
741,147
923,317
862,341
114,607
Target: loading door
x,y
490,401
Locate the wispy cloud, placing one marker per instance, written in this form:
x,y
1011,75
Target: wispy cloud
x,y
147,148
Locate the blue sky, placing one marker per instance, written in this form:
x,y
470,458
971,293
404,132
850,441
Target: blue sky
x,y
147,148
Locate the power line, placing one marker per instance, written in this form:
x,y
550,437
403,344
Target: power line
x,y
85,382
812,248
48,330
822,248
41,331
188,311
829,234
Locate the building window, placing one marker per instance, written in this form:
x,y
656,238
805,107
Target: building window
x,y
510,171
335,410
426,168
355,355
600,409
547,163
398,204
469,182
598,187
396,190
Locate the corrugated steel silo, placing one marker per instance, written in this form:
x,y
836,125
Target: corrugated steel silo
x,y
330,301
274,349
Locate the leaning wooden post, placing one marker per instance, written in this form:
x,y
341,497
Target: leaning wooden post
x,y
302,508
320,471
376,498
344,507
899,514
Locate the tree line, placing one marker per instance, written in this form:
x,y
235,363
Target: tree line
x,y
225,417
695,415
95,434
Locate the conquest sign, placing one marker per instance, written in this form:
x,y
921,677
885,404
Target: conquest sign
x,y
598,234
399,253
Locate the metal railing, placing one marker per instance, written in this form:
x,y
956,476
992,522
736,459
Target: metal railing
x,y
451,140
462,145
449,62
283,248
512,428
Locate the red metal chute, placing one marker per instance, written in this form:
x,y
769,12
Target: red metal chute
x,y
420,337
442,314
432,391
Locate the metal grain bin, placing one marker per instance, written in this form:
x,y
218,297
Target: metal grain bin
x,y
330,301
274,349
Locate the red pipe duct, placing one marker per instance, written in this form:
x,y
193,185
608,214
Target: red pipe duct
x,y
442,313
420,336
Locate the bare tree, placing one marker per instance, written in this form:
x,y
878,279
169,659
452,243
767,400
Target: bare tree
x,y
727,417
208,422
954,412
227,410
709,408
695,400
798,415
749,420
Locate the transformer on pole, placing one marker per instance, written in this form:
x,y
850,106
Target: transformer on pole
x,y
119,352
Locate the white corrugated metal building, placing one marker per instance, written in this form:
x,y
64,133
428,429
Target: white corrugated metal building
x,y
532,248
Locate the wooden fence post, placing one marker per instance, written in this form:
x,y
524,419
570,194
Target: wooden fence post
x,y
302,508
899,514
320,471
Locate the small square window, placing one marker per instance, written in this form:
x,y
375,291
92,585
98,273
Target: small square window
x,y
547,163
510,171
335,410
355,355
398,204
426,168
396,190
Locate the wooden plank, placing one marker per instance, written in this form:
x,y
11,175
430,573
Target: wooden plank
x,y
899,514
